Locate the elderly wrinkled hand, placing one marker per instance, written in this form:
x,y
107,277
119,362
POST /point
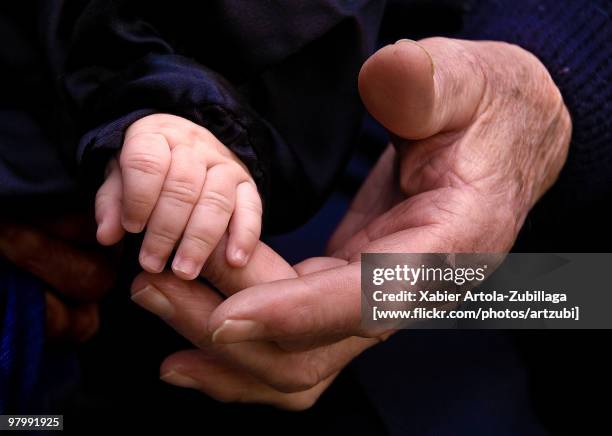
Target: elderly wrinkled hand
x,y
480,133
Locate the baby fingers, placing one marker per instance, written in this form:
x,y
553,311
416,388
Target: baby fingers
x,y
208,221
178,197
245,225
144,161
108,206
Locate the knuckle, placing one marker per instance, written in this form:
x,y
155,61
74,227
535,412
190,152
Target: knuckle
x,y
231,170
181,191
137,204
198,135
161,235
199,242
305,379
305,317
252,233
144,122
216,202
143,162
235,164
143,139
252,206
301,376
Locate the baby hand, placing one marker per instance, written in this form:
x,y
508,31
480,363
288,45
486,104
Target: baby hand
x,y
178,180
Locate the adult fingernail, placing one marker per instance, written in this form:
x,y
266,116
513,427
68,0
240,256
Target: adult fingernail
x,y
412,41
180,380
185,268
154,301
151,263
236,330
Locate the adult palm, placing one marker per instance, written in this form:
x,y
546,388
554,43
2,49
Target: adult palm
x,y
481,132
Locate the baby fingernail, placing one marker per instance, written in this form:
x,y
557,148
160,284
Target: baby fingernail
x,y
240,257
154,301
131,226
185,268
180,380
236,330
152,264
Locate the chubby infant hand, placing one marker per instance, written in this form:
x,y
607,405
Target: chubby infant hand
x,y
176,180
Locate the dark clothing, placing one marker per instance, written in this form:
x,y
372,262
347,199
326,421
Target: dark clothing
x,y
21,339
573,39
276,82
37,158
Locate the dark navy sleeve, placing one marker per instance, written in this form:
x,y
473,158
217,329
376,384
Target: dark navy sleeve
x,y
275,82
166,83
120,69
573,39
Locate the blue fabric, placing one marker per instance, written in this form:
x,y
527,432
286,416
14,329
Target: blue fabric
x,y
22,315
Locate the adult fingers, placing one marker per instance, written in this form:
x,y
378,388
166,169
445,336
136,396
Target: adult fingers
x,y
326,304
309,266
418,89
265,265
316,264
67,323
320,304
245,225
77,228
75,273
418,223
186,306
207,373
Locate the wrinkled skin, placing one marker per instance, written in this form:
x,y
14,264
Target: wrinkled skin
x,y
481,132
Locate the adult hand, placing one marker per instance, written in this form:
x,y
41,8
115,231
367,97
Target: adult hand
x,y
76,276
289,374
482,133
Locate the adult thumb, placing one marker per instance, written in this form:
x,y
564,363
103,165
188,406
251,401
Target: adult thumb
x,y
418,89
